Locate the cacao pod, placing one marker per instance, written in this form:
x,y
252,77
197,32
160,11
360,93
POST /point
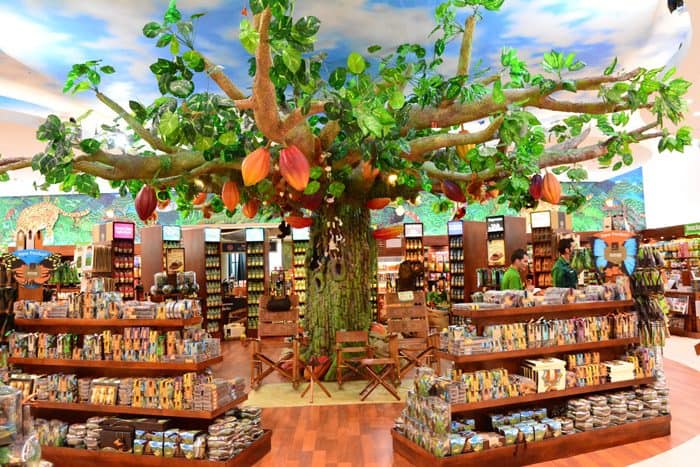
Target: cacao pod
x,y
230,195
463,149
299,222
491,191
256,166
199,199
551,189
312,202
152,219
145,202
206,212
378,203
368,172
250,209
536,186
388,232
294,167
453,191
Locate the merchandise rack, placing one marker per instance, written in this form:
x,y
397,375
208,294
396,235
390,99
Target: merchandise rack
x,y
299,252
414,250
543,252
563,446
455,235
213,301
191,418
256,272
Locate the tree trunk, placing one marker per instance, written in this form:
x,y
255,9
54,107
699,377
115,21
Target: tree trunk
x,y
339,275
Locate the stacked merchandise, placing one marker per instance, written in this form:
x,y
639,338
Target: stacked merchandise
x,y
225,438
460,340
619,370
467,387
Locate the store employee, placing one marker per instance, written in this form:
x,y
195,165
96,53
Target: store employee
x,y
563,275
511,279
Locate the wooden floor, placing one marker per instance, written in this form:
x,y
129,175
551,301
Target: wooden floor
x,y
358,435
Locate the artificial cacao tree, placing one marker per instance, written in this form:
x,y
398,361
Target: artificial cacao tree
x,y
323,149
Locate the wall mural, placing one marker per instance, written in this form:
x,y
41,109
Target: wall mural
x,y
68,219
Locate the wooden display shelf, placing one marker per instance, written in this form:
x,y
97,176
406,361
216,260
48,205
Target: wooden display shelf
x,y
130,410
521,312
119,366
541,396
533,352
683,333
539,451
70,457
80,324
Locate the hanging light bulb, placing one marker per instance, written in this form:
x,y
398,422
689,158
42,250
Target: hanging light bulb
x,y
400,211
392,179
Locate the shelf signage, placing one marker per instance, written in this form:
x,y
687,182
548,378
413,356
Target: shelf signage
x,y
495,224
123,230
255,235
692,229
540,219
212,235
413,230
455,228
301,234
172,233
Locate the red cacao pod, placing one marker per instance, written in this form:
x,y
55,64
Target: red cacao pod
x,y
256,166
145,202
230,195
250,209
453,191
536,186
312,202
388,232
378,203
299,222
551,189
199,199
294,167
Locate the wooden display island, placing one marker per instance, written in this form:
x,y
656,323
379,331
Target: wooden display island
x,y
79,412
552,448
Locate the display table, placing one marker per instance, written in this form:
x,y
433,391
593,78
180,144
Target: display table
x,y
552,448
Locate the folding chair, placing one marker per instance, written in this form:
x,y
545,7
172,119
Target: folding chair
x,y
350,348
388,372
259,362
410,318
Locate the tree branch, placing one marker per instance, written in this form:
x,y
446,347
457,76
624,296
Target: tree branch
x,y
420,146
457,113
297,117
465,50
15,163
224,82
146,135
589,107
571,142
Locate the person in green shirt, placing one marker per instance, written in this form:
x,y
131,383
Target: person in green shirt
x,y
563,275
511,279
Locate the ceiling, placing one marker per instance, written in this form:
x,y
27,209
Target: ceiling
x,y
41,39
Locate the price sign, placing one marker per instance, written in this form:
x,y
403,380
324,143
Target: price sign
x,y
301,234
495,224
455,228
123,230
540,219
413,230
212,235
254,235
172,233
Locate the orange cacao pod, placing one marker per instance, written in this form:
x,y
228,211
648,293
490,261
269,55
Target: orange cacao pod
x,y
378,203
230,195
199,199
256,166
551,189
388,232
145,202
250,209
294,167
299,222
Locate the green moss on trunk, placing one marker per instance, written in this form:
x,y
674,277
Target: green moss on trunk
x,y
338,296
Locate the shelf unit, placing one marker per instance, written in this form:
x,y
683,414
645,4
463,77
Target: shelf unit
x,y
563,446
256,274
96,325
158,239
85,458
203,247
691,322
540,451
414,250
116,366
543,253
300,245
455,240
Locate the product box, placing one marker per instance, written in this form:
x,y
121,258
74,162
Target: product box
x,y
548,373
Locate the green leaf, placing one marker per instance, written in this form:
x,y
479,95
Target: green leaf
x,y
356,63
163,66
397,100
90,146
336,189
439,47
307,26
82,86
172,14
338,77
312,187
578,65
498,96
610,68
164,40
569,85
194,60
617,166
202,143
107,69
315,173
249,37
151,29
4,177
169,123
374,48
174,47
181,87
229,138
94,77
291,58
560,170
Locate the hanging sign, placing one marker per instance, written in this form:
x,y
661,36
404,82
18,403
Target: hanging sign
x,y
455,228
692,229
32,267
614,251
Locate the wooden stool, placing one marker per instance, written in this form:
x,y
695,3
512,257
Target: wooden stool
x,y
313,379
389,371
